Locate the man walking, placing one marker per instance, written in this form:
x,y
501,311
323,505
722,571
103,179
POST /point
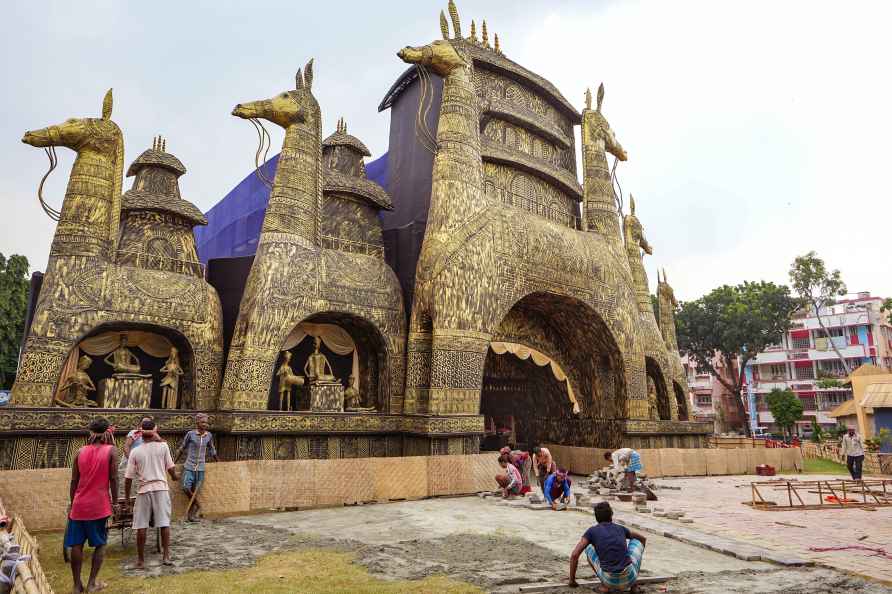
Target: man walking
x,y
94,478
198,445
149,464
853,449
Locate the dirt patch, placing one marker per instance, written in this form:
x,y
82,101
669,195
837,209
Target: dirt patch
x,y
210,544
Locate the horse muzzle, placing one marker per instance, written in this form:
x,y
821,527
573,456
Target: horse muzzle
x,y
38,138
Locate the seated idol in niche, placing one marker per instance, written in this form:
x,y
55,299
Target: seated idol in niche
x,y
317,368
122,360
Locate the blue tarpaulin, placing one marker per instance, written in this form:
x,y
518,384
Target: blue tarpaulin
x,y
234,223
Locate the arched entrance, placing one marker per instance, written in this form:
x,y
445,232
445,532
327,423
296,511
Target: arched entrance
x,y
530,403
150,346
657,394
353,347
681,400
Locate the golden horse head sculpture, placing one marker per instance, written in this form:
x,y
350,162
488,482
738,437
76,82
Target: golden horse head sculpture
x,y
295,106
102,140
443,55
597,131
100,134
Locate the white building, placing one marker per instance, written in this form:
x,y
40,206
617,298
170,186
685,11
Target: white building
x,y
805,357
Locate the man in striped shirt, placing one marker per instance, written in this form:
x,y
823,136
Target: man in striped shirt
x,y
198,445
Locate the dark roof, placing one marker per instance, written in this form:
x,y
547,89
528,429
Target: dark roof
x,y
159,158
335,181
490,60
142,200
343,139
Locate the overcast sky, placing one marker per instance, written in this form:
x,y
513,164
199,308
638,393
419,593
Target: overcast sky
x,y
756,131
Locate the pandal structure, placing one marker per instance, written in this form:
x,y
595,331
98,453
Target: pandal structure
x,y
515,251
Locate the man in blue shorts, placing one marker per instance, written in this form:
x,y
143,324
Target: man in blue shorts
x,y
198,445
615,562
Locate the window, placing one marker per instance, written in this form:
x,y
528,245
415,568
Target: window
x,y
705,400
799,342
805,372
774,372
835,331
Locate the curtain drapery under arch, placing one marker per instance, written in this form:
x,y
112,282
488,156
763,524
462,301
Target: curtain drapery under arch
x,y
335,338
524,352
152,344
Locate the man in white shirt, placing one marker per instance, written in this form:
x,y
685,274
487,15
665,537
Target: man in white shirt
x,y
149,464
853,449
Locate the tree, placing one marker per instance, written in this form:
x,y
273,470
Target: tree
x,y
785,407
734,324
13,307
818,288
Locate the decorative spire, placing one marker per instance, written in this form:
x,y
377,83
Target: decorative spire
x,y
108,102
485,35
600,95
163,145
588,98
298,80
665,278
632,204
473,37
496,48
456,23
362,168
444,26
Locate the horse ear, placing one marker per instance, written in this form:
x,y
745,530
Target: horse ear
x,y
308,74
444,27
107,104
298,80
600,95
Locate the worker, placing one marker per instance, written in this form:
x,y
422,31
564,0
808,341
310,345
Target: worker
x,y
543,465
628,461
853,449
615,561
522,462
510,481
557,488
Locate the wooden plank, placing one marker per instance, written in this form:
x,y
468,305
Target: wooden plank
x,y
556,585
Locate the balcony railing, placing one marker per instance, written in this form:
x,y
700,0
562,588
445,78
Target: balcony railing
x,y
159,262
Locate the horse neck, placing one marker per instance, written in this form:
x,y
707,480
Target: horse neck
x,y
600,202
457,188
296,195
91,208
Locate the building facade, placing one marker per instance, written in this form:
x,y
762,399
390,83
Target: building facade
x,y
807,363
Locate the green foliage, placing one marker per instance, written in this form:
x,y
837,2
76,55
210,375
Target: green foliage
x,y
837,432
817,432
785,407
732,322
814,284
829,383
13,307
887,308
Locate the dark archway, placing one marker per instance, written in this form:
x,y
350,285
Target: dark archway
x,y
682,401
656,389
149,364
374,374
571,333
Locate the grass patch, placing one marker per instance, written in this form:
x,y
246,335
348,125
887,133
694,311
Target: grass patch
x,y
822,466
305,571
